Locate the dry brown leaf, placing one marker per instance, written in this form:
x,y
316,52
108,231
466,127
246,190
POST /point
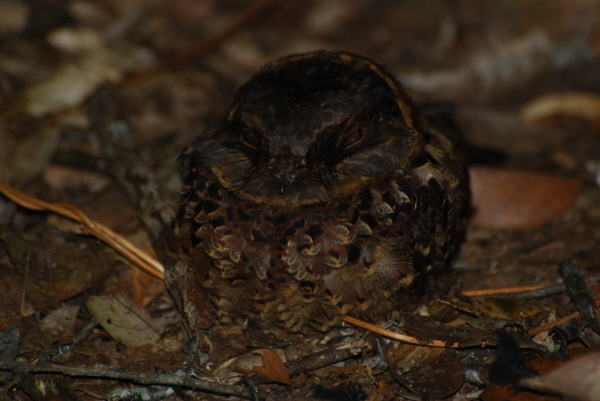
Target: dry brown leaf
x,y
571,104
61,322
434,372
508,199
73,81
576,380
126,322
27,145
273,367
146,287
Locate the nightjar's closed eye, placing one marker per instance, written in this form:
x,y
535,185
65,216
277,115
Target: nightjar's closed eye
x,y
354,138
250,139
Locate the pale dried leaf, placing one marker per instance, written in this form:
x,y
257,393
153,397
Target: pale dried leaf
x,y
75,40
126,322
234,366
25,150
71,84
61,322
582,105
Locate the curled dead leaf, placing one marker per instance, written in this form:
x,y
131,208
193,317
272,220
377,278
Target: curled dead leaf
x,y
273,367
432,372
61,322
508,199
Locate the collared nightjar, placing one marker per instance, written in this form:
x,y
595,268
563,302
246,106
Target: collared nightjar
x,y
323,192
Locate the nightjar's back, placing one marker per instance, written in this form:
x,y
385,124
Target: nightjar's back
x,y
323,193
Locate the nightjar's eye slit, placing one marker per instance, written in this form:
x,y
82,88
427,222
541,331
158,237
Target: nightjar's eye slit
x,y
250,139
236,161
247,177
356,136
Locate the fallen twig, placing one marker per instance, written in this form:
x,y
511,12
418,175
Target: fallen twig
x,y
146,378
489,292
67,346
400,337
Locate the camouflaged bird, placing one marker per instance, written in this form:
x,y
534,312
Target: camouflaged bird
x,y
323,193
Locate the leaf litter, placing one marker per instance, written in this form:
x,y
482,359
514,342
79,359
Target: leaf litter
x,y
549,199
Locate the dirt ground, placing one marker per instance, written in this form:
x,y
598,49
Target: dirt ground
x,y
521,78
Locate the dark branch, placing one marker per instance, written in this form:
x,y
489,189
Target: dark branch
x,y
146,378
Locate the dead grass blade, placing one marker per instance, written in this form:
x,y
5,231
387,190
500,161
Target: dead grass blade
x,y
103,233
397,336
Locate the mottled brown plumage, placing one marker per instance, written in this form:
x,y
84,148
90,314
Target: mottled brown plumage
x,y
323,193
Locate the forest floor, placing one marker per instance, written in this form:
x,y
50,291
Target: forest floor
x,y
520,78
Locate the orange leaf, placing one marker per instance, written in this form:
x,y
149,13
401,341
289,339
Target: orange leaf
x,y
509,199
273,367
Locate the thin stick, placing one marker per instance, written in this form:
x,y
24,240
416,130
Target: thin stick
x,y
502,291
145,378
398,336
550,325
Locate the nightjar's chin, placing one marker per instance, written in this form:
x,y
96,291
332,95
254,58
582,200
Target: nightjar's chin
x,y
274,189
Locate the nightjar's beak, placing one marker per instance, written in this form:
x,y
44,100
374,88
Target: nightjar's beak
x,y
285,168
287,178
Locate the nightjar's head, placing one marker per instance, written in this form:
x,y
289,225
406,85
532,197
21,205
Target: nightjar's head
x,y
312,128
